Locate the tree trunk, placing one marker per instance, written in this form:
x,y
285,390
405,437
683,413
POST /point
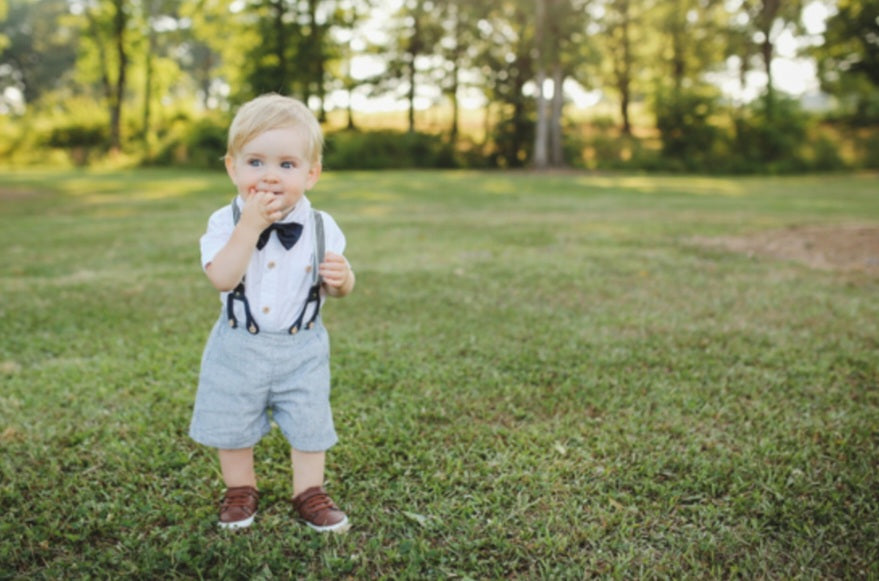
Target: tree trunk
x,y
557,156
678,58
456,105
411,93
350,126
148,81
766,50
283,81
625,77
621,58
541,133
316,54
119,22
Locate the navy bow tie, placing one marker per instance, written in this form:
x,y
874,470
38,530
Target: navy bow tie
x,y
288,234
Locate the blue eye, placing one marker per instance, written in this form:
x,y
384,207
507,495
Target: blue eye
x,y
254,162
288,165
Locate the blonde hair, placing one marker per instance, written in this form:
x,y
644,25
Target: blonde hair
x,y
274,111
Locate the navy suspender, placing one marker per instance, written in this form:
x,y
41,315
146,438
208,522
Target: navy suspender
x,y
313,292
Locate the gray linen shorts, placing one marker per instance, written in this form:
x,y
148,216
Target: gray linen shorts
x,y
244,377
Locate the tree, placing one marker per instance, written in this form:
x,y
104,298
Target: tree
x,y
342,45
40,48
764,21
458,47
506,61
107,25
559,26
313,55
216,47
4,10
690,41
163,27
415,37
848,59
689,45
620,20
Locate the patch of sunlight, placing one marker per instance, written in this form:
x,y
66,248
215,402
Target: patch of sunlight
x,y
375,211
704,186
498,187
74,279
80,188
119,190
606,229
118,212
369,196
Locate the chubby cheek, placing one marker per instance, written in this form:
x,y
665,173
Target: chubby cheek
x,y
292,198
245,182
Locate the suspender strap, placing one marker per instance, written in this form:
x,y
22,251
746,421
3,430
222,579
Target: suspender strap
x,y
238,295
319,239
314,291
236,212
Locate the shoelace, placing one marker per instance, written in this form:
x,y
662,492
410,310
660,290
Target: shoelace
x,y
238,498
317,503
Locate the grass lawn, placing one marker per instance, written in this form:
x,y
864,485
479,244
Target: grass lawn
x,y
537,376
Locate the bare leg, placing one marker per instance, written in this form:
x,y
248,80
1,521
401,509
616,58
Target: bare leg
x,y
237,467
308,470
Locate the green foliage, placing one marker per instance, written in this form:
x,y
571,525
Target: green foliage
x,y
386,149
772,144
80,140
198,144
513,142
538,376
822,153
868,145
687,130
848,59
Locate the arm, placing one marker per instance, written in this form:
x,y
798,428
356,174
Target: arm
x,y
227,268
338,276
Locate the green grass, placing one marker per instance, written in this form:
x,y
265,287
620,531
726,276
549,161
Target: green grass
x,y
538,376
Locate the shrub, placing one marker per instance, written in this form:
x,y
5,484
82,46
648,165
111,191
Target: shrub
x,y
198,144
80,139
688,139
349,149
772,143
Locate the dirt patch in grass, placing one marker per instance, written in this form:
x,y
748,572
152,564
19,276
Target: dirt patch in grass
x,y
12,194
846,248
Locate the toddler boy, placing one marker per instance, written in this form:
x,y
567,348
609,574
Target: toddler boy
x,y
274,260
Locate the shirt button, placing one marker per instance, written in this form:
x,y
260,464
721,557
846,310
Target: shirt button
x,y
308,268
271,265
266,310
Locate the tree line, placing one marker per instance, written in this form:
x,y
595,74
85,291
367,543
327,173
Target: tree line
x,y
154,76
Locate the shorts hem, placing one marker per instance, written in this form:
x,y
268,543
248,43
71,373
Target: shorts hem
x,y
321,445
226,444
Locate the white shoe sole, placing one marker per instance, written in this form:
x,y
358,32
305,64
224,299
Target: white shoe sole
x,y
238,524
339,527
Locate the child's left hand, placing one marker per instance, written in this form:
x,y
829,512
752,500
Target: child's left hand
x,y
335,270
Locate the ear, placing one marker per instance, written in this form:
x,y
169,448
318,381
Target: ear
x,y
230,167
313,174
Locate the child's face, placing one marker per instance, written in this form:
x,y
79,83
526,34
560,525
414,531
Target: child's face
x,y
275,161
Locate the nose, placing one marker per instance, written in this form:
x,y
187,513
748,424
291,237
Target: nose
x,y
269,176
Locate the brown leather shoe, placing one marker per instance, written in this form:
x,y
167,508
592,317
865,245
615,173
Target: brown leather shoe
x,y
238,507
319,511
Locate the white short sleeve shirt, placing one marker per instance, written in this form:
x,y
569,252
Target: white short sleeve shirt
x,y
277,280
